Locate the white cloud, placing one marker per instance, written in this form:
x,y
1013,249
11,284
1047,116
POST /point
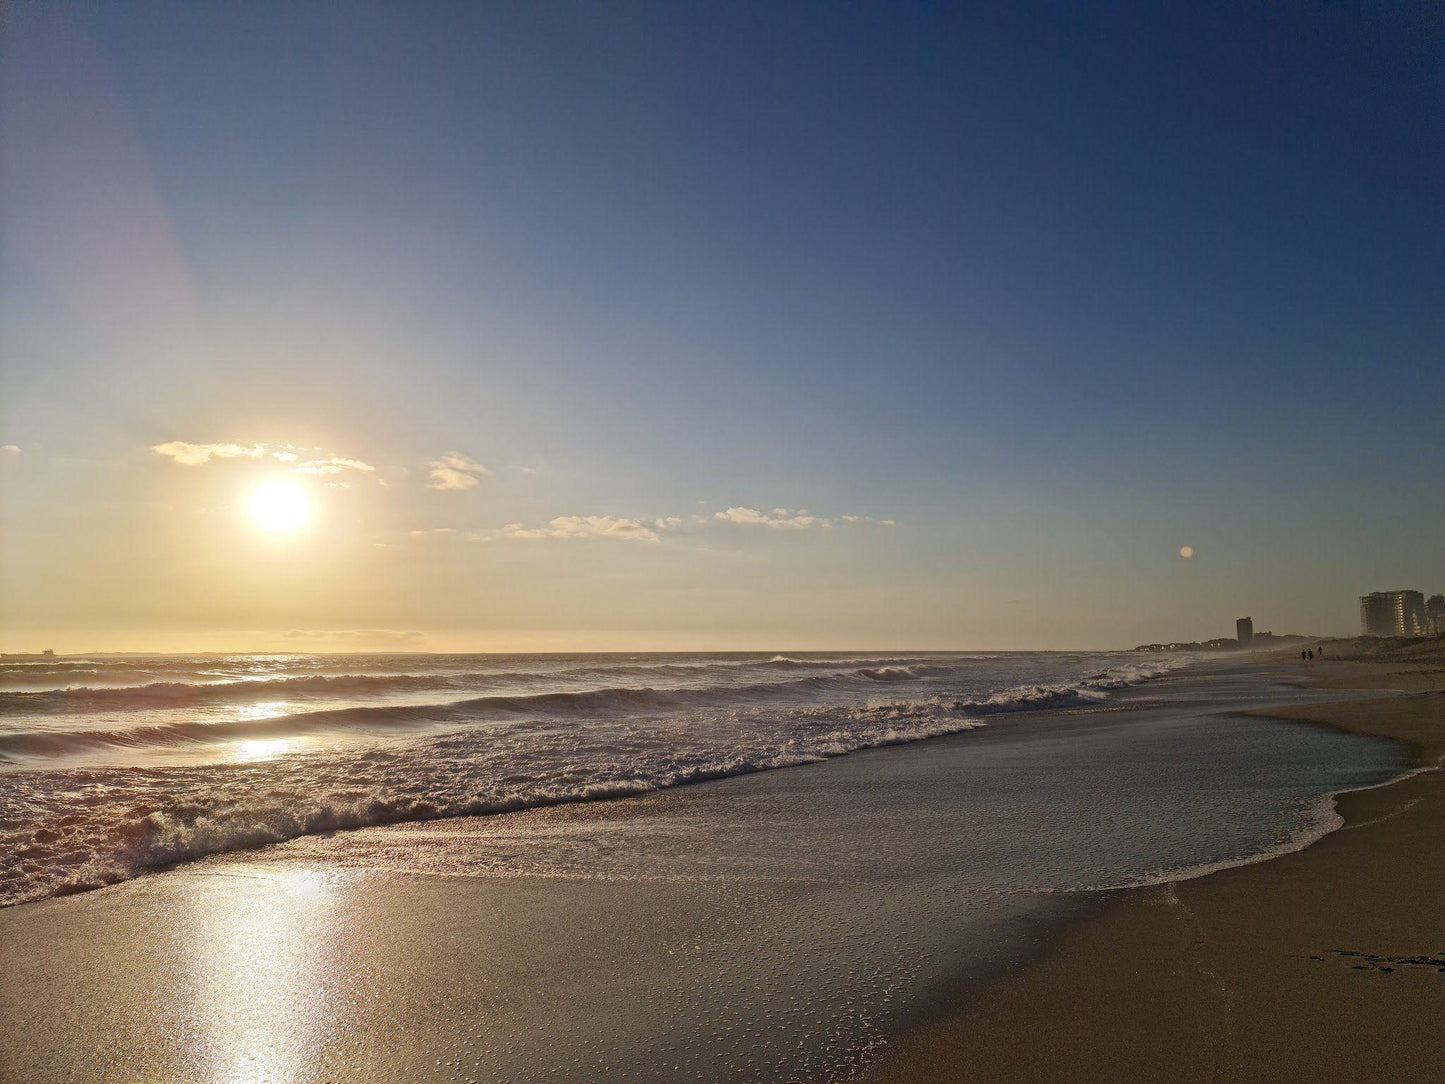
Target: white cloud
x,y
651,531
321,464
521,530
331,464
195,455
742,515
454,471
446,478
457,461
10,449
433,530
780,518
787,519
582,527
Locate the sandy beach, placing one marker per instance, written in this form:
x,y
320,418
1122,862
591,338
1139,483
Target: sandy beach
x,y
1323,965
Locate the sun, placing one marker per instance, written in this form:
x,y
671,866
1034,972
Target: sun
x,y
280,506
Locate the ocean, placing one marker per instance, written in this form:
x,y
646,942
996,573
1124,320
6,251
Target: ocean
x,y
114,765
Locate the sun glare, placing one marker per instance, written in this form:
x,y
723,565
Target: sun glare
x,y
280,506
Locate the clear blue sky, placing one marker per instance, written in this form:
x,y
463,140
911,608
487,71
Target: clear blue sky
x,y
1058,289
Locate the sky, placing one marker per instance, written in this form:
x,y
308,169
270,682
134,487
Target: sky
x,y
713,326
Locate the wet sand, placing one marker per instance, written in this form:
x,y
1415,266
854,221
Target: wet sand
x,y
1327,964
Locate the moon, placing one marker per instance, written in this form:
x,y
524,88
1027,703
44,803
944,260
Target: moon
x,y
1186,552
280,506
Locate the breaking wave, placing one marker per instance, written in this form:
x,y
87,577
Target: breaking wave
x,y
89,829
174,694
67,825
1090,690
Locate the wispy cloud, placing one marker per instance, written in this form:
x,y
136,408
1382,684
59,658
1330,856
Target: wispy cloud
x,y
652,531
454,471
10,449
331,464
584,527
197,455
313,461
787,519
782,518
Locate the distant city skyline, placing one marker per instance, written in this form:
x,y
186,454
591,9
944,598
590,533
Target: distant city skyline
x,y
564,327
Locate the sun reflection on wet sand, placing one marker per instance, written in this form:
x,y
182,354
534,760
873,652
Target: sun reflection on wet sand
x,y
262,974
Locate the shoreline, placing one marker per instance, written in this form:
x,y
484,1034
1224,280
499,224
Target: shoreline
x,y
1203,977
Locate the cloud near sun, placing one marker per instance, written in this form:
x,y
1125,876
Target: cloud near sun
x,y
298,460
651,531
454,471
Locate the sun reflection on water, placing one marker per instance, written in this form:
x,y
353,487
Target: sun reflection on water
x,y
267,709
247,750
254,749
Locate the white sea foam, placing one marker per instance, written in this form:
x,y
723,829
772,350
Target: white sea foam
x,y
73,817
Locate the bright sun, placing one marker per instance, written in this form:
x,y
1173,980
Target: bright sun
x,y
280,506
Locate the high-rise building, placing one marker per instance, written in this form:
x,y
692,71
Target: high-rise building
x,y
1410,614
1376,616
1244,631
1393,613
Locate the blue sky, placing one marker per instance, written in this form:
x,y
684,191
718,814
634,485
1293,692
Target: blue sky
x,y
1056,289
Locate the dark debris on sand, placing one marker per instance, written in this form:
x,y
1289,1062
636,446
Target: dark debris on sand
x,y
1369,961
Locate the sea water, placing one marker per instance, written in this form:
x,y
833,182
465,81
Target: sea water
x,y
112,765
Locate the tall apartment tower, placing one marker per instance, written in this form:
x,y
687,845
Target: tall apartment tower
x,y
1393,613
1244,631
1410,614
1435,614
1376,618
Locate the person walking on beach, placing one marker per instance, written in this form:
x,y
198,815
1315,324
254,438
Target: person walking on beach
x,y
1312,654
1301,654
